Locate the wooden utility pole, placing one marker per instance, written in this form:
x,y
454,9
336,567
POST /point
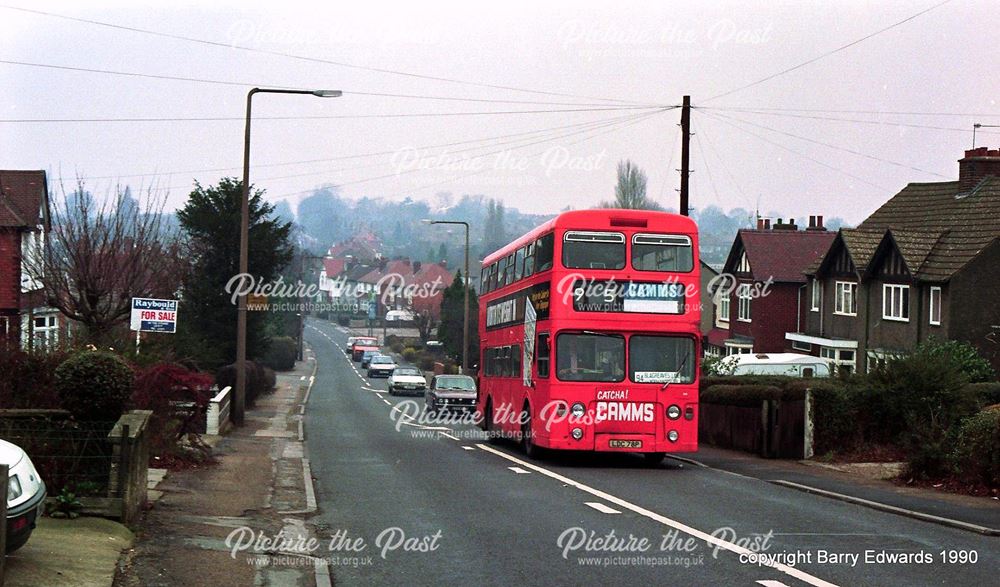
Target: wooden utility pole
x,y
685,152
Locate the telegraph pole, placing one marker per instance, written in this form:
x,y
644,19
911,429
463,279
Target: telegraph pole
x,y
685,152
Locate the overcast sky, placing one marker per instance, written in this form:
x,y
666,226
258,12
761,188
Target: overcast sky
x,y
605,55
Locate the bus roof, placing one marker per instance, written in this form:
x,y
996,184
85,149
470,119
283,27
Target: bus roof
x,y
601,219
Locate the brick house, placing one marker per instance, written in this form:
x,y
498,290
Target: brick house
x,y
757,305
925,264
24,223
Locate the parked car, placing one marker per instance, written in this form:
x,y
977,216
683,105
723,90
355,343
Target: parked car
x,y
366,357
451,392
381,366
406,380
25,495
360,349
363,340
790,364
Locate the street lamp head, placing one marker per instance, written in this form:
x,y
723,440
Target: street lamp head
x,y
427,221
328,93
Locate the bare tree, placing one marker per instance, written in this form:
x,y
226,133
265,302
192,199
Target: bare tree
x,y
630,191
99,255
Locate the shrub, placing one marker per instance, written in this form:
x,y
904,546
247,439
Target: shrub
x,y
986,394
255,384
410,354
270,379
963,355
94,385
425,362
344,320
281,353
397,347
157,388
838,425
28,380
977,448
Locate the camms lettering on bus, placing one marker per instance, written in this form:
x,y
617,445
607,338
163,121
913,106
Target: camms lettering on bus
x,y
625,412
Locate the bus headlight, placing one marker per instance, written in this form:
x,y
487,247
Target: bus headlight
x,y
578,410
674,412
672,436
577,433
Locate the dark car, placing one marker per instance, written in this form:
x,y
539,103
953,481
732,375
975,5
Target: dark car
x,y
451,392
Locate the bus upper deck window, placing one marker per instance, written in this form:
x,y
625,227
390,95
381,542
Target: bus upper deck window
x,y
593,250
662,252
544,248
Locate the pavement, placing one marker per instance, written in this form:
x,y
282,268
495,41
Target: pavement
x,y
976,514
68,553
256,489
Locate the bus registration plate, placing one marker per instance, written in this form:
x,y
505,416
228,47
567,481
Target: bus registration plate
x,y
625,443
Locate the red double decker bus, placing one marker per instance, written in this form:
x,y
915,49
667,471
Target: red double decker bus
x,y
589,330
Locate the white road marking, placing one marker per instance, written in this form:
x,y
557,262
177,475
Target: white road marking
x,y
386,402
468,448
449,436
772,583
601,507
708,538
519,470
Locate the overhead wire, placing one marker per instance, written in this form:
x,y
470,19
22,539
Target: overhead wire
x,y
828,53
232,46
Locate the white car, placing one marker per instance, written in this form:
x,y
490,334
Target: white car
x,y
25,495
407,380
381,366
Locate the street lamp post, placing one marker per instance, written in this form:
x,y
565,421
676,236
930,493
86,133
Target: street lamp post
x,y
465,318
239,398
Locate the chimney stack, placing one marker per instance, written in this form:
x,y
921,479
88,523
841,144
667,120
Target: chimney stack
x,y
816,223
790,225
760,223
977,164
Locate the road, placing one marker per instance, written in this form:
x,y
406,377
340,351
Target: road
x,y
424,504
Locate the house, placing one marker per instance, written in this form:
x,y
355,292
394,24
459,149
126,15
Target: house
x,y
25,318
329,283
709,277
926,264
759,289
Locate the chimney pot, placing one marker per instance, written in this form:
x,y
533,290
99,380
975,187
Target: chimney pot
x,y
760,224
819,223
767,224
812,222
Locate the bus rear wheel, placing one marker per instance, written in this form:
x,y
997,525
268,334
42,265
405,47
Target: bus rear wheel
x,y
531,450
653,459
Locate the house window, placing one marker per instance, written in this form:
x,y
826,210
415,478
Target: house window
x,y
802,346
935,310
896,302
844,360
724,309
744,264
817,294
46,331
847,298
743,292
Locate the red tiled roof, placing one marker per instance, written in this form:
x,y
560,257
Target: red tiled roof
x,y
22,196
780,254
333,267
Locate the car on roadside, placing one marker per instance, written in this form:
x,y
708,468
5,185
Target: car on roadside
x,y
25,495
366,357
406,380
381,366
451,392
359,350
362,340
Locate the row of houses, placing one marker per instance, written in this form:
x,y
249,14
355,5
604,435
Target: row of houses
x,y
925,264
355,275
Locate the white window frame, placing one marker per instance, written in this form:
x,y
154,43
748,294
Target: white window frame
x,y
846,291
817,295
743,293
744,266
802,346
724,308
897,310
935,308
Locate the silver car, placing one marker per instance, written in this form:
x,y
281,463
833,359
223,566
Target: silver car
x,y
406,380
25,495
381,366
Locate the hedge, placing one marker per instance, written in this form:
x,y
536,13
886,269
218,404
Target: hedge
x,y
94,385
977,450
986,394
